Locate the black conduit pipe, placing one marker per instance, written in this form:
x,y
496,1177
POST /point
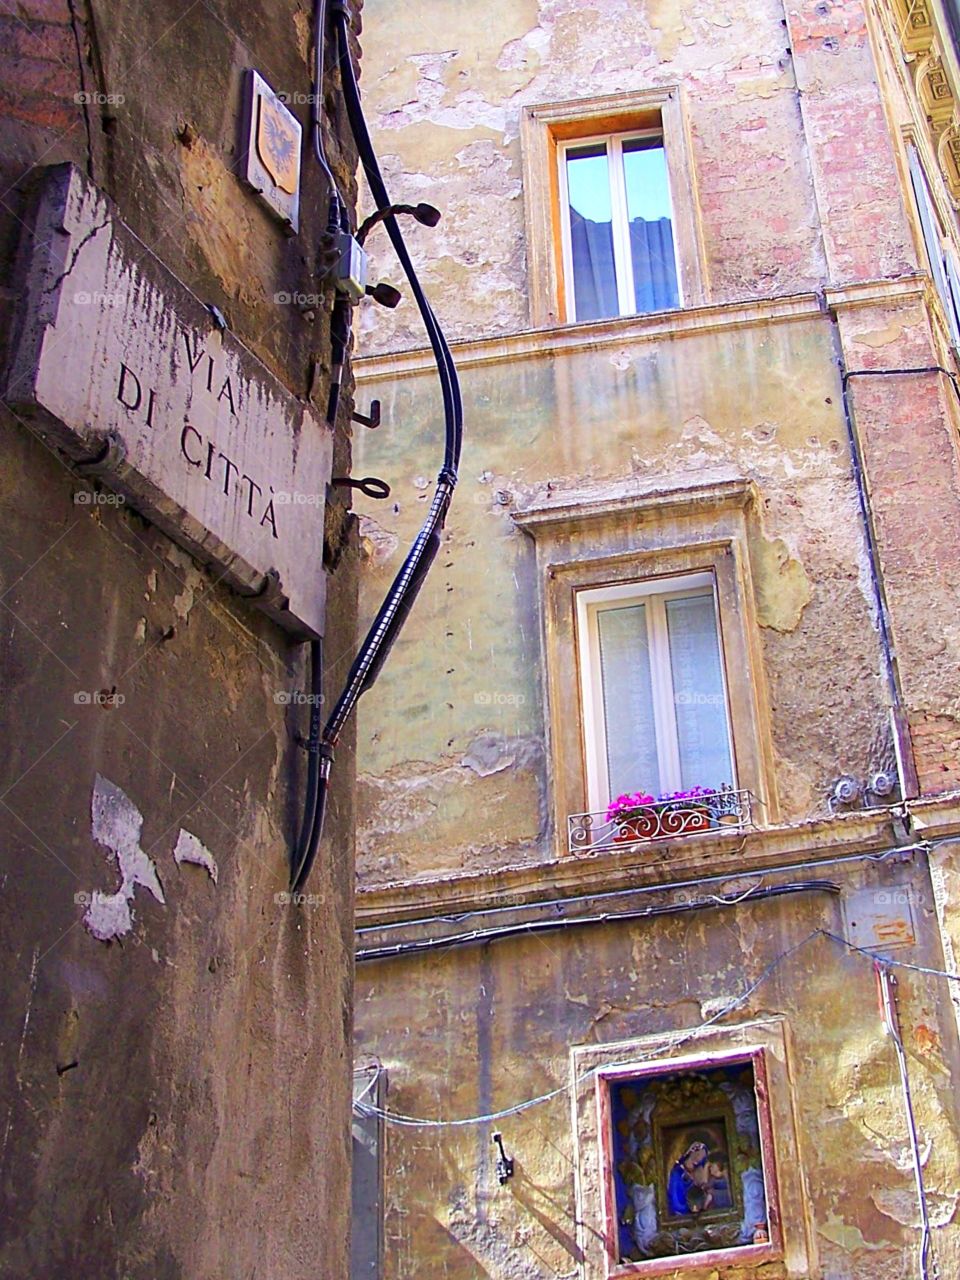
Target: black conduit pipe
x,y
406,585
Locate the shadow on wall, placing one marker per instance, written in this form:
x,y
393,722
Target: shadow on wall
x,y
532,1198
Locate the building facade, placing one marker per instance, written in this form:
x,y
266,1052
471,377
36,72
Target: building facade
x,y
175,1089
670,750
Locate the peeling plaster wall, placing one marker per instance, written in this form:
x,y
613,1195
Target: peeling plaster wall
x,y
446,99
761,403
793,125
485,1027
174,1034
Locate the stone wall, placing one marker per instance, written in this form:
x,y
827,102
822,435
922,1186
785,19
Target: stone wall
x,y
813,264
174,1103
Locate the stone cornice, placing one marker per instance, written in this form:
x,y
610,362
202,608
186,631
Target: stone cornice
x,y
631,330
734,855
555,517
571,338
867,293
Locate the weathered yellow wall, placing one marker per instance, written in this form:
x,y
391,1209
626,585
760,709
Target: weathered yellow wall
x,y
453,770
446,90
800,195
467,1032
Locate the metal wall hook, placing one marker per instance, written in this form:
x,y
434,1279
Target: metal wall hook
x,y
373,420
369,485
504,1162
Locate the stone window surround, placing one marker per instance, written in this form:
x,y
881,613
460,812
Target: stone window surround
x,y
592,1067
544,126
662,533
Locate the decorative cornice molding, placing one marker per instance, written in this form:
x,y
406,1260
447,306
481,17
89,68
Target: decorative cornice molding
x,y
675,501
743,854
572,338
631,330
913,34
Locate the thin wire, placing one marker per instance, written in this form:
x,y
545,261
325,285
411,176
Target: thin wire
x,y
889,960
415,1122
695,883
891,1018
371,1083
682,1038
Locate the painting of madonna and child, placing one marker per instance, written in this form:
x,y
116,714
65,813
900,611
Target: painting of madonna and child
x,y
688,1167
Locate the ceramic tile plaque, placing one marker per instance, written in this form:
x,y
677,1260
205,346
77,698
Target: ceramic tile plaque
x,y
272,161
130,375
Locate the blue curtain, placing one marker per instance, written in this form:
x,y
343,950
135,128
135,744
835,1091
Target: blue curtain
x,y
654,265
594,275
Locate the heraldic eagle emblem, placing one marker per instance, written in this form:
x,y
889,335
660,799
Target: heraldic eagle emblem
x,y
278,143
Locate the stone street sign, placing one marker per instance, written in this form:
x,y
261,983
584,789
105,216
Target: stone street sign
x,y
127,372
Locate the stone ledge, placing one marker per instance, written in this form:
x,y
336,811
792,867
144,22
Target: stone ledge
x,y
690,857
662,326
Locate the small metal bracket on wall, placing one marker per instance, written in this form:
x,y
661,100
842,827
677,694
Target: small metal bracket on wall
x,y
373,420
504,1162
369,485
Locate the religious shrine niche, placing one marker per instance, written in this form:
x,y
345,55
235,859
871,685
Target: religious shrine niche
x,y
689,1162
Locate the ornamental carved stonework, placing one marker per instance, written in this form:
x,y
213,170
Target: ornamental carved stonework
x,y
935,93
914,42
948,154
915,24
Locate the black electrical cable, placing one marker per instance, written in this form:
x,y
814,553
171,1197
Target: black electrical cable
x,y
340,339
552,925
406,585
313,747
316,96
887,373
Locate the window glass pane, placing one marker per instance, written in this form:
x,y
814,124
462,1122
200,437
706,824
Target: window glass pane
x,y
651,230
591,233
631,743
701,706
929,223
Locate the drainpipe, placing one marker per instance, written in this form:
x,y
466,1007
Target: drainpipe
x,y
903,747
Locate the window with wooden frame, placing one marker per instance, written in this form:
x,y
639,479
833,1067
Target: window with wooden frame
x,y
611,213
655,708
683,660
617,226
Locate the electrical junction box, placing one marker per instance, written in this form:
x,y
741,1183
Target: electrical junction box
x,y
352,267
130,375
272,145
880,918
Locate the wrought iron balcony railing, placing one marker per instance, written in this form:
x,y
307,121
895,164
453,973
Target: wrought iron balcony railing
x,y
723,810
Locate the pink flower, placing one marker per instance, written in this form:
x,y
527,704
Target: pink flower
x,y
624,806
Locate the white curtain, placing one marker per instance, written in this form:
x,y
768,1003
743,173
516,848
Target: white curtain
x,y
628,700
698,694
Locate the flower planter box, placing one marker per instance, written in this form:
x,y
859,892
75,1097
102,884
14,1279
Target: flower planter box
x,y
661,821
